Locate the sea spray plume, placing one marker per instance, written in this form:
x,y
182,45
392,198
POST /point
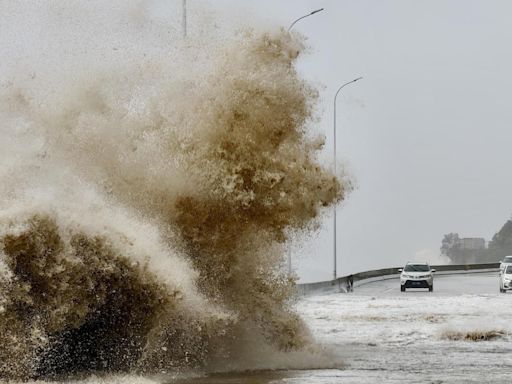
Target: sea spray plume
x,y
71,302
222,157
74,304
216,158
259,178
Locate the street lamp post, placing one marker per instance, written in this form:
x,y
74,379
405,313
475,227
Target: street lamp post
x,y
302,17
334,136
289,29
184,18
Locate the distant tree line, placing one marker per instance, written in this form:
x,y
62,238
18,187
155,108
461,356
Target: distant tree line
x,y
498,247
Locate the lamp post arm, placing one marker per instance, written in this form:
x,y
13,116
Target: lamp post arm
x,y
335,97
300,18
340,88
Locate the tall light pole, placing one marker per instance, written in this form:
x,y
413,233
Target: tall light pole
x,y
289,29
184,18
334,221
302,17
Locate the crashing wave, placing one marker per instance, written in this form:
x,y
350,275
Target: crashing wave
x,y
144,207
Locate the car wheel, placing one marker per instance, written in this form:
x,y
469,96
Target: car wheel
x,y
431,288
402,288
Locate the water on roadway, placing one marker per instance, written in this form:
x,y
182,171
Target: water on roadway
x,y
379,334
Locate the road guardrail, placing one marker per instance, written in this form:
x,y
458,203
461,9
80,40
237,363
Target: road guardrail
x,y
358,279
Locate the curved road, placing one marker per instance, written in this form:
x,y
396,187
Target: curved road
x,y
444,285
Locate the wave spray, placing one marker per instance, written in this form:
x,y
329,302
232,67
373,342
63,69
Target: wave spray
x,y
146,193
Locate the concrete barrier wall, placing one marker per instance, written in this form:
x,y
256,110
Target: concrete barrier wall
x,y
340,284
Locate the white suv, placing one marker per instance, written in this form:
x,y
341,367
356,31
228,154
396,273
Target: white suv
x,y
506,278
416,275
507,260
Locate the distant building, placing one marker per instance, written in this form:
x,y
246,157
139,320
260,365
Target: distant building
x,y
472,243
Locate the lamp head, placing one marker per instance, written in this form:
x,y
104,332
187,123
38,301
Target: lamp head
x,y
318,10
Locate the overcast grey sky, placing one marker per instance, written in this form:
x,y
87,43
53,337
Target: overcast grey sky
x,y
427,133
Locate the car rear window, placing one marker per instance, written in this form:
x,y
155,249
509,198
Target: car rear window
x,y
417,268
507,259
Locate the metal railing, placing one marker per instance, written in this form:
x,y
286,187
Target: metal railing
x,y
340,284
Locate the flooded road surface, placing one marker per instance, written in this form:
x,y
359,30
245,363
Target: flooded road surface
x,y
460,333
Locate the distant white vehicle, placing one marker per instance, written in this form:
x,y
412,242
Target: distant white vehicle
x,y
507,260
416,275
506,279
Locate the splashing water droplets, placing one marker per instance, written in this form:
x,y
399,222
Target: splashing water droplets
x,y
144,207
